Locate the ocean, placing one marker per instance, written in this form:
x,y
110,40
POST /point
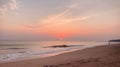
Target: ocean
x,y
13,51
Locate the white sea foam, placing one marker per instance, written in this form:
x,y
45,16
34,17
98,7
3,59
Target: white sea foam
x,y
29,54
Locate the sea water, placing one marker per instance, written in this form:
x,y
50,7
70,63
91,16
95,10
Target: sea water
x,y
11,51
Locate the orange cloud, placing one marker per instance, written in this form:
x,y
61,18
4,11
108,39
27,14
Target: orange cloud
x,y
62,25
59,25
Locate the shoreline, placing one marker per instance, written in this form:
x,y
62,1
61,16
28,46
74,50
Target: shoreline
x,y
68,50
39,57
83,57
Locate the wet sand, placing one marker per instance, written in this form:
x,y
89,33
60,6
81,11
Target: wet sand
x,y
100,56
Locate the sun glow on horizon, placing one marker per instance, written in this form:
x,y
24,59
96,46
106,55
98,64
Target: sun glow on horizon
x,y
62,19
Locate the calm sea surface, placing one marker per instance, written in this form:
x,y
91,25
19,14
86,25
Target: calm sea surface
x,y
10,51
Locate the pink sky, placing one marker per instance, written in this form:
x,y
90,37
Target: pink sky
x,y
67,20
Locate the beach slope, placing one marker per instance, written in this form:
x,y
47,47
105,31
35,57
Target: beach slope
x,y
100,56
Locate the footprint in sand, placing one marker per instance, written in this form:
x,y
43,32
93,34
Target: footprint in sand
x,y
50,66
75,66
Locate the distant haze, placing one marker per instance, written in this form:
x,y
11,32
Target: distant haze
x,y
84,20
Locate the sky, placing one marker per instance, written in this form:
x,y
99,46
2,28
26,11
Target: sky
x,y
82,20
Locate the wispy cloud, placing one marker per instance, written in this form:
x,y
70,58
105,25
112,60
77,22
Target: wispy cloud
x,y
13,4
61,18
6,5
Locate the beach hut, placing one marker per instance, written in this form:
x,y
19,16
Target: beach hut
x,y
116,41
